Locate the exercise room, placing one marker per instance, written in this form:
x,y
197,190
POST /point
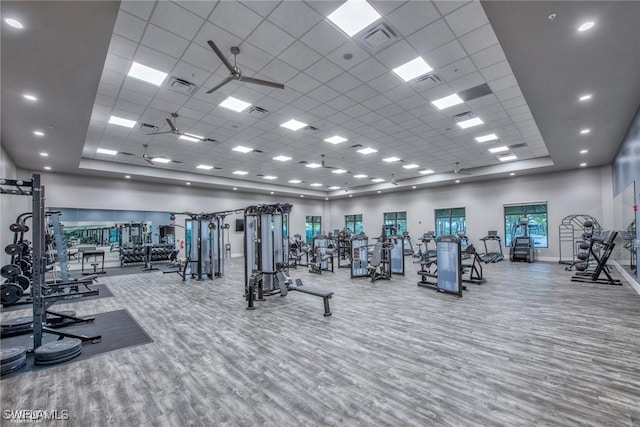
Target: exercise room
x,y
320,213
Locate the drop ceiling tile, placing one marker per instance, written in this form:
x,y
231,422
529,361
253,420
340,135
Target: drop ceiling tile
x,y
357,55
376,102
467,82
503,83
164,41
103,100
261,7
369,70
122,47
479,39
496,71
154,59
270,38
509,93
446,54
323,93
117,64
457,69
141,9
399,92
323,70
139,86
467,18
199,8
179,21
324,7
361,93
412,16
134,97
190,73
295,17
299,56
412,102
112,78
235,18
488,56
339,118
397,54
324,38
340,103
287,95
129,26
222,38
385,82
356,110
278,71
514,102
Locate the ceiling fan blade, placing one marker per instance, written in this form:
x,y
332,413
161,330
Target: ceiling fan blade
x,y
173,127
222,83
261,82
223,58
148,160
463,173
160,133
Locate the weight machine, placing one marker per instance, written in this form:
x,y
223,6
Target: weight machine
x,y
359,255
449,277
322,255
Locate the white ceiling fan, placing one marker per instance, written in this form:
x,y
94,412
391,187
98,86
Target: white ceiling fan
x,y
459,171
153,160
173,128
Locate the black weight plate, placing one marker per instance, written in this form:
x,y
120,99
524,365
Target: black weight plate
x,y
23,281
18,321
57,349
11,354
10,271
24,264
12,249
16,228
14,366
59,359
53,319
10,293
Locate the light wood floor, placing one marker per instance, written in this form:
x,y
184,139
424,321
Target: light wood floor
x,y
528,348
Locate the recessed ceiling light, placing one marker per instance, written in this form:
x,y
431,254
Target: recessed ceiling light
x,y
353,16
188,183
326,198
240,172
146,74
43,154
367,150
412,69
242,149
333,187
127,177
457,181
350,195
447,101
114,120
316,184
106,151
270,192
414,187
38,133
377,180
161,160
270,177
487,138
470,123
583,165
512,174
235,188
293,125
584,131
295,181
338,171
335,139
585,97
360,175
30,97
584,151
425,171
313,165
302,195
190,137
507,158
379,191
234,104
205,167
411,166
586,26
47,168
498,149
14,23
391,159
282,158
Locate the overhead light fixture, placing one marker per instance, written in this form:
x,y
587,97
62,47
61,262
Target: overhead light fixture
x,y
360,175
487,138
367,150
269,177
240,172
411,166
43,154
242,149
38,133
190,137
47,168
335,139
14,23
507,158
294,181
161,160
586,26
512,174
334,187
353,16
30,97
114,120
147,74
187,183
106,151
470,123
498,149
234,104
235,188
313,165
447,101
457,181
412,69
302,195
205,167
316,184
584,151
426,171
391,159
282,158
585,97
338,171
414,187
377,180
350,195
270,192
127,177
379,191
583,165
293,125
584,131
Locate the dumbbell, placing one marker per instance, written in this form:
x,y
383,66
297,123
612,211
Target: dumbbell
x,y
10,271
13,249
17,228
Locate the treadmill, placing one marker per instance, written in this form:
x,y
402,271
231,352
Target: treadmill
x,y
495,255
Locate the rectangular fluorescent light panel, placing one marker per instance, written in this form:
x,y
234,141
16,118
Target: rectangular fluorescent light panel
x,y
498,149
294,181
447,101
412,69
377,180
38,133
411,166
585,131
242,149
105,151
338,171
425,171
293,125
147,74
470,123
240,173
313,165
507,158
335,139
360,175
316,184
269,177
367,150
487,138
205,167
334,187
391,159
354,16
282,158
160,160
234,104
114,120
191,138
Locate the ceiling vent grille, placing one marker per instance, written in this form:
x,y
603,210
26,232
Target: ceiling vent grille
x,y
257,111
465,115
309,130
180,85
147,127
429,79
522,145
377,37
507,154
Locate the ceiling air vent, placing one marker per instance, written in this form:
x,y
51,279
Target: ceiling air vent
x,y
521,145
257,111
180,85
147,127
465,115
428,79
309,130
356,146
507,154
377,37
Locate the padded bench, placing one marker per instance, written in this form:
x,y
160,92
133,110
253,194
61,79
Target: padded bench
x,y
325,295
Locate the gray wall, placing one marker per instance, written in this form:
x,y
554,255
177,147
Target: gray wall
x,y
10,206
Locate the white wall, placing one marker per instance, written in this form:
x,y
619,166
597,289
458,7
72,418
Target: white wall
x,y
573,192
10,206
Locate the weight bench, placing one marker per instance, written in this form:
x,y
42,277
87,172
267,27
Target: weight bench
x,y
285,285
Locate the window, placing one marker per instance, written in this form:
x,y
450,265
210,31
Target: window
x,y
187,237
536,213
450,221
395,222
353,223
313,225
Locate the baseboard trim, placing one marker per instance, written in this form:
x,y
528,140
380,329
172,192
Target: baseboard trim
x,y
628,277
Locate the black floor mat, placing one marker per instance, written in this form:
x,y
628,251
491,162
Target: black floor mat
x,y
118,329
105,292
132,269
